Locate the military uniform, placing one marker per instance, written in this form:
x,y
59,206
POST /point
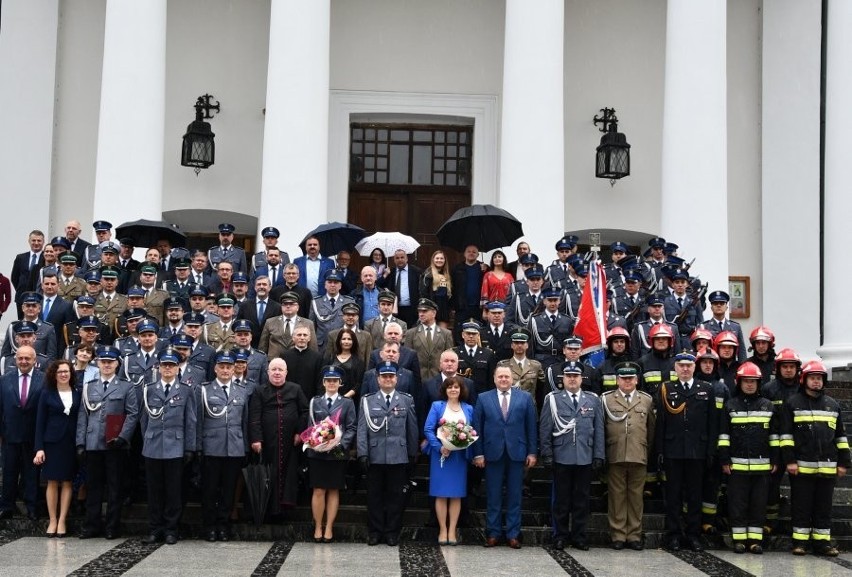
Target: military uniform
x,y
547,334
554,377
76,287
630,439
169,432
640,343
155,300
376,328
109,309
220,337
387,439
529,378
572,436
102,405
223,440
478,367
428,353
276,336
692,315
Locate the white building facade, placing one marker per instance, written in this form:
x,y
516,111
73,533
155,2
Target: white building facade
x,y
720,100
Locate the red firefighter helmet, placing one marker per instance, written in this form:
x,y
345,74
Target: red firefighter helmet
x,y
617,332
788,355
708,353
748,370
762,333
725,338
700,333
813,368
661,331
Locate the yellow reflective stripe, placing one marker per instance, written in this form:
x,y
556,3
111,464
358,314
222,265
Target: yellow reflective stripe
x,y
815,419
842,443
754,467
672,377
778,402
743,420
767,414
720,404
755,536
819,537
708,509
775,443
801,534
738,536
818,470
609,380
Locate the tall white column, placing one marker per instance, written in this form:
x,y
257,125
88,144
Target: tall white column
x,y
294,184
790,170
129,173
532,142
837,309
695,147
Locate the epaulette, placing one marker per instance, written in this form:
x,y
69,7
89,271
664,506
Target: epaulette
x,y
406,394
609,393
374,393
595,395
643,393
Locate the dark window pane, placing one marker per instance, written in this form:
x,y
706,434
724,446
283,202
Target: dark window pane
x,y
370,148
463,137
369,176
439,178
451,137
451,165
439,164
369,134
421,171
382,163
369,162
356,148
439,136
357,134
422,136
400,135
383,149
399,164
462,151
382,178
439,151
451,180
451,152
383,135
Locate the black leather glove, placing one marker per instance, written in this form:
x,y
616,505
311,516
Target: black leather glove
x,y
547,461
597,465
118,443
81,455
364,462
187,457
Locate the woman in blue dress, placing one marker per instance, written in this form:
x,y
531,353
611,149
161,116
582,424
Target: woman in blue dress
x,y
448,480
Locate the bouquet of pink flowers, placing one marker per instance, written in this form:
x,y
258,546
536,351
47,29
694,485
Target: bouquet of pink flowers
x,y
455,435
323,436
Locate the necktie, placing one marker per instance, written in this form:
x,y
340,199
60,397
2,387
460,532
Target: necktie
x,y
33,260
67,281
387,401
565,268
225,390
552,320
470,352
123,264
574,399
329,403
497,332
680,302
167,389
261,309
25,387
272,275
686,386
147,358
504,405
627,398
429,335
384,324
106,385
198,279
174,331
331,300
633,300
286,327
521,365
46,310
108,299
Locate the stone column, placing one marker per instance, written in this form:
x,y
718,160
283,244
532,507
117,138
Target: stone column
x,y
837,308
129,173
532,142
294,182
695,148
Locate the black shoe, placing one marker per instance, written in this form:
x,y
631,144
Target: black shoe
x,y
559,544
695,544
673,544
7,514
152,538
618,545
393,540
171,539
581,545
89,534
110,535
211,536
373,540
635,545
32,516
224,535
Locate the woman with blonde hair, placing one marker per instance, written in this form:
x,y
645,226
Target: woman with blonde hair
x,y
435,284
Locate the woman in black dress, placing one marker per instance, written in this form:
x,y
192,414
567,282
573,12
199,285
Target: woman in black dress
x,y
278,412
436,285
328,469
347,357
56,427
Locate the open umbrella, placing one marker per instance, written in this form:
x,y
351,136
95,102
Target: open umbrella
x,y
335,237
258,488
483,225
146,233
389,242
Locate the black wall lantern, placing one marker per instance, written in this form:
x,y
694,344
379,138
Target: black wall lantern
x,y
613,154
199,150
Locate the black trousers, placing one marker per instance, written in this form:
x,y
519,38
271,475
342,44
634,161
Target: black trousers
x,y
219,478
684,484
385,499
18,463
104,475
810,507
747,506
710,498
571,507
164,477
773,500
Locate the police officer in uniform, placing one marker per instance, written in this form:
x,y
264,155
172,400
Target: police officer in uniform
x,y
571,348
257,361
475,361
141,366
571,433
640,343
225,251
719,323
105,426
630,421
548,329
222,433
520,307
169,433
387,450
270,236
327,310
687,428
92,253
24,337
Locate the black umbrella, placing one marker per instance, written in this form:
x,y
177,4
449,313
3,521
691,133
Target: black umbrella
x,y
484,225
256,475
146,233
335,237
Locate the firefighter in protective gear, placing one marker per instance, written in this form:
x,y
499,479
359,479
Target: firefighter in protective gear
x,y
748,453
707,369
725,344
816,452
658,364
762,341
618,352
778,390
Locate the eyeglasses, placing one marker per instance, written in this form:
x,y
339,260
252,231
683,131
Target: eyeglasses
x,y
63,372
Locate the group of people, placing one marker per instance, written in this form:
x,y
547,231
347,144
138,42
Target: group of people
x,y
194,361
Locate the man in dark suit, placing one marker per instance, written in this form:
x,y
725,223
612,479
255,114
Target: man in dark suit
x,y
498,333
72,235
407,356
467,284
199,274
515,268
272,267
45,342
23,266
19,396
313,268
304,364
475,361
430,391
350,279
505,418
404,280
125,255
259,309
405,379
55,309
